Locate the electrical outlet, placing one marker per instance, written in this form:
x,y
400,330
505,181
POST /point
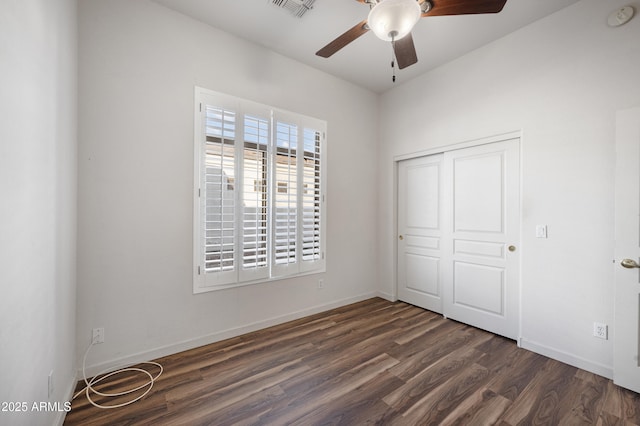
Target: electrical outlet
x,y
97,336
320,283
600,330
50,385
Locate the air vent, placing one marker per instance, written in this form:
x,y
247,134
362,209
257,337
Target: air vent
x,y
296,7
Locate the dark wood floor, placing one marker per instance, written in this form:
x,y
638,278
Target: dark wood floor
x,y
373,362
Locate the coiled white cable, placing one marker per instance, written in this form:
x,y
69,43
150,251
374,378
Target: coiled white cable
x,y
102,376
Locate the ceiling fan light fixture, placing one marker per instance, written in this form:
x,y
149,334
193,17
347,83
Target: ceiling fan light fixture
x,y
393,19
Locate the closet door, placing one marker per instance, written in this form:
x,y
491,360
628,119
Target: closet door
x,y
458,235
420,232
481,271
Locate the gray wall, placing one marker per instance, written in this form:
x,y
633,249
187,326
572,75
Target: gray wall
x,y
38,164
139,63
559,82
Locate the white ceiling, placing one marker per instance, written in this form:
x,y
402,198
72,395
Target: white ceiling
x,y
367,60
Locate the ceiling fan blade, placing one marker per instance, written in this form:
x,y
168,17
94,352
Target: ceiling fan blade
x,y
405,51
346,38
464,7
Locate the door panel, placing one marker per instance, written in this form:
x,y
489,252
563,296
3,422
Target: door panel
x,y
626,365
422,274
484,187
478,198
479,248
419,230
479,287
423,182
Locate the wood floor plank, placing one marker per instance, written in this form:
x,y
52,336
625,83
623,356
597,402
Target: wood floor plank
x,y
419,328
363,405
436,406
434,348
332,390
239,368
236,391
244,411
585,401
539,402
371,362
622,404
483,407
518,370
431,378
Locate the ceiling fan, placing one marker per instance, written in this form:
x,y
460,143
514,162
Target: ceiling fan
x,y
393,20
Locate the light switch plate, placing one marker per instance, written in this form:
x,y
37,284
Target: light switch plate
x,y
541,231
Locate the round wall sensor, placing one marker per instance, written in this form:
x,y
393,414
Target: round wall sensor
x,y
620,16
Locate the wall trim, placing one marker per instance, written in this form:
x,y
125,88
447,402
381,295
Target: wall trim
x,y
568,358
207,339
71,387
517,134
386,296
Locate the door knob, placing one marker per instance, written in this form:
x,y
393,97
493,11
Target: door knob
x,y
512,248
629,263
401,237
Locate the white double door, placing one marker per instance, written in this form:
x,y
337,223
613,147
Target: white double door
x,y
458,234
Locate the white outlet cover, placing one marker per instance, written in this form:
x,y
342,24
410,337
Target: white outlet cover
x,y
50,385
541,231
600,330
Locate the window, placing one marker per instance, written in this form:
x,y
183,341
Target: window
x,y
259,193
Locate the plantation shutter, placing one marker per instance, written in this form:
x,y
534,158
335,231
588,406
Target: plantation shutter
x,y
311,199
285,198
259,200
255,217
219,193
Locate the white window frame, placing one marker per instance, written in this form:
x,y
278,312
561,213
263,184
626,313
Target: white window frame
x,y
208,280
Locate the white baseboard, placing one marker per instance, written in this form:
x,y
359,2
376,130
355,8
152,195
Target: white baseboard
x,y
387,296
568,358
173,348
70,388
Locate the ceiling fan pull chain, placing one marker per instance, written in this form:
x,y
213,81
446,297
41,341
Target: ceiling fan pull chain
x,y
393,63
